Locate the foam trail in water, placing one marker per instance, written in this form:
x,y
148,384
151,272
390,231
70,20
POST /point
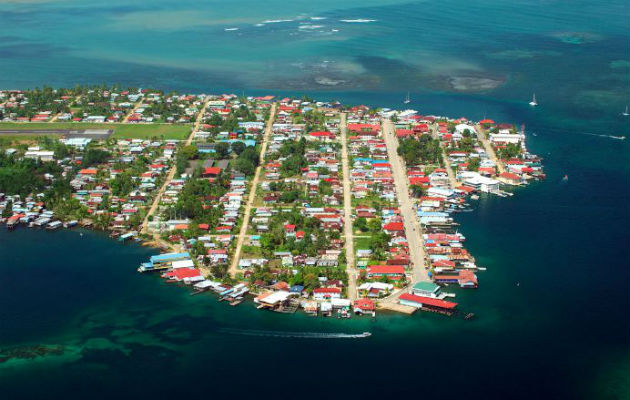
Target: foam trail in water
x,y
589,134
604,136
300,335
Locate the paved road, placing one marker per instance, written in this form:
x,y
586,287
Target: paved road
x,y
413,230
347,209
252,194
171,174
481,134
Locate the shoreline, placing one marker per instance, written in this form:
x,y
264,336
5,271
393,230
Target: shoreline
x,y
417,198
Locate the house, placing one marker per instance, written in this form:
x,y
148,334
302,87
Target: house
x,y
362,306
510,178
426,289
394,228
390,271
327,293
427,303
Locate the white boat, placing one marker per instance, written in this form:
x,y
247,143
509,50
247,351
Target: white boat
x,y
70,224
625,113
54,225
533,103
407,99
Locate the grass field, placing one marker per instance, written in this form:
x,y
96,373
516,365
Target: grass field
x,y
130,131
362,242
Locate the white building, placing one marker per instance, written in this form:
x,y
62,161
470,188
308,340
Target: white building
x,y
507,138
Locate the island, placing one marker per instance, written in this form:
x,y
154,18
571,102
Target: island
x,y
297,203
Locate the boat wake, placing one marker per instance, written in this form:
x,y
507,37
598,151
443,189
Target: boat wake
x,y
357,21
604,136
298,335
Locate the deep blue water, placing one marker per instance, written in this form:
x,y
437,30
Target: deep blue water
x,y
561,334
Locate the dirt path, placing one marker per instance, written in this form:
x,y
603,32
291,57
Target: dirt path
x,y
449,170
171,174
133,110
252,195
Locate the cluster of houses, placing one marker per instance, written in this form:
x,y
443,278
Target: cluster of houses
x,y
31,211
298,200
216,240
30,106
156,107
372,186
99,105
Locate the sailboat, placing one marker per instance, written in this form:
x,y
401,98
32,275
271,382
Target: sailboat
x,y
533,103
625,113
407,99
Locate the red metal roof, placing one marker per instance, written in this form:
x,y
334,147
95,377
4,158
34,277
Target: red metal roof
x,y
429,301
385,269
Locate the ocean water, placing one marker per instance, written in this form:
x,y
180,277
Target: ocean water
x,y
562,333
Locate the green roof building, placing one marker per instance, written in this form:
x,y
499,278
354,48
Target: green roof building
x,y
428,289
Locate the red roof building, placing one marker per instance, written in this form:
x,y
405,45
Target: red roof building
x,y
385,270
414,300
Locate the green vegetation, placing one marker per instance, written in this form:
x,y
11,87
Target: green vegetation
x,y
511,150
425,150
247,161
474,163
24,176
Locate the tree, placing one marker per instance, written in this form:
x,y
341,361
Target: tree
x,y
222,149
245,166
473,164
188,152
238,147
417,190
122,184
361,224
374,225
94,156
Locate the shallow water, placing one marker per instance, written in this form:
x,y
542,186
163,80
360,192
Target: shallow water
x,y
561,333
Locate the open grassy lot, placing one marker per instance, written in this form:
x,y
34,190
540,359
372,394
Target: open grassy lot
x,y
131,131
362,242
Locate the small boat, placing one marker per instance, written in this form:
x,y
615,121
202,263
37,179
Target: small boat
x,y
407,99
237,301
533,103
54,225
71,224
565,178
469,316
625,113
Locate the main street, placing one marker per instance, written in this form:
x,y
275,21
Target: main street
x,y
413,230
347,210
481,134
252,194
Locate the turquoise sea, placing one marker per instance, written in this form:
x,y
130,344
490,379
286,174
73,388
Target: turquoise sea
x,y
562,333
